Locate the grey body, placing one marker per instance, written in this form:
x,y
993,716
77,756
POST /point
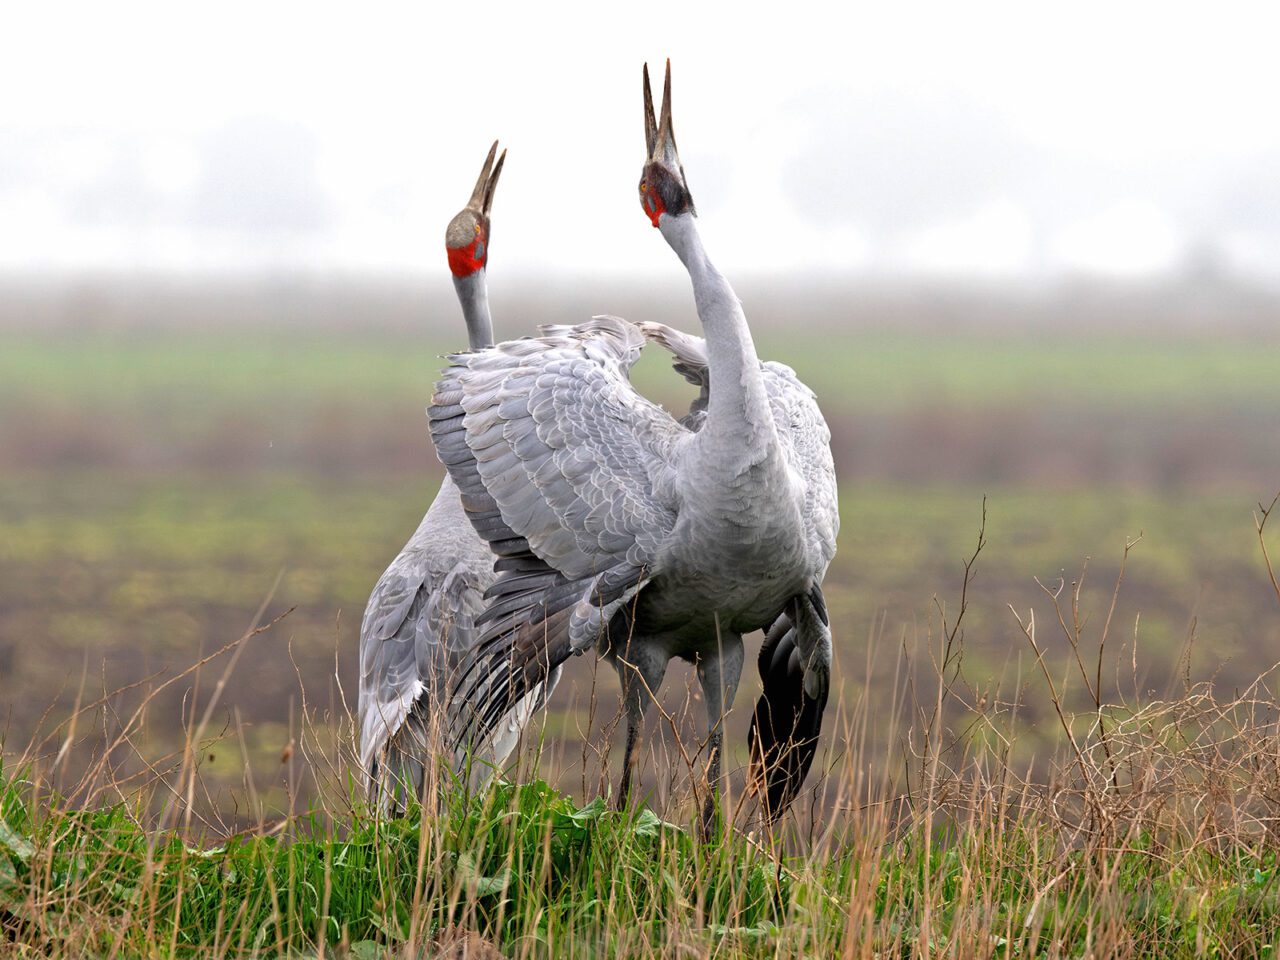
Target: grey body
x,y
714,551
418,625
746,568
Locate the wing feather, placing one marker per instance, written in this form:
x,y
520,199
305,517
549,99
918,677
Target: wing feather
x,y
569,454
558,458
419,620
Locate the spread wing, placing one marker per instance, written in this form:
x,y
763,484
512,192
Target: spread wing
x,y
689,359
569,474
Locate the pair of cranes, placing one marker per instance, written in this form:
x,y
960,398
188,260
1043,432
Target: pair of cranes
x,y
576,515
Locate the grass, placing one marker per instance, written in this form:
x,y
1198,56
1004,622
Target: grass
x,y
969,863
563,872
1151,834
540,876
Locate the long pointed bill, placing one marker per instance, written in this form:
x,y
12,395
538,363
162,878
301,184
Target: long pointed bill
x,y
650,124
660,137
478,194
493,183
666,135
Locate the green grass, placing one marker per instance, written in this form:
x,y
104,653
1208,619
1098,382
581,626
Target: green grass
x,y
519,850
542,876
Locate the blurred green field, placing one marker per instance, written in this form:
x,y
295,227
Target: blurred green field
x,y
155,484
860,370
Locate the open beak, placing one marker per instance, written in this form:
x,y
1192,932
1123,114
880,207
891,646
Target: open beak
x,y
659,137
482,196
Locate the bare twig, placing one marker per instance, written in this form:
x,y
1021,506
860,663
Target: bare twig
x,y
1261,523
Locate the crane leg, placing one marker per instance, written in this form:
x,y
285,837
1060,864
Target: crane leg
x,y
641,668
719,674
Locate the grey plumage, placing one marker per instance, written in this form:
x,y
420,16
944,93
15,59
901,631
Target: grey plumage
x,y
421,618
417,626
566,465
785,724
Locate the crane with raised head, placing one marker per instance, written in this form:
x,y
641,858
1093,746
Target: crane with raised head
x,y
619,528
786,723
420,619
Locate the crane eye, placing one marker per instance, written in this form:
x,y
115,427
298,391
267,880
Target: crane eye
x,y
644,185
477,226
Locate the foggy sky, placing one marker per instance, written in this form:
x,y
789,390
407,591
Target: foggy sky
x,y
993,141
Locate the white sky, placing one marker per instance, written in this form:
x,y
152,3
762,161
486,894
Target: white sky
x,y
973,140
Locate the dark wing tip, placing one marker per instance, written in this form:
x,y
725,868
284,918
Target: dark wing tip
x,y
785,727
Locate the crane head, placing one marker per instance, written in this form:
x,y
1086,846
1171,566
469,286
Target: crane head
x,y
662,184
467,238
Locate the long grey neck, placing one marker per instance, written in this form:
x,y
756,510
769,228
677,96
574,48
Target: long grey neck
x,y
474,298
738,410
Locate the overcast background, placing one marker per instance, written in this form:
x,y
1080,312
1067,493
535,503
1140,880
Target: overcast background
x,y
999,142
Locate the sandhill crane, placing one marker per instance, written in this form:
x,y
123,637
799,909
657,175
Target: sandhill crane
x,y
420,618
619,527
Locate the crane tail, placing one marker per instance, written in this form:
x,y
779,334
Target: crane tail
x,y
783,738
